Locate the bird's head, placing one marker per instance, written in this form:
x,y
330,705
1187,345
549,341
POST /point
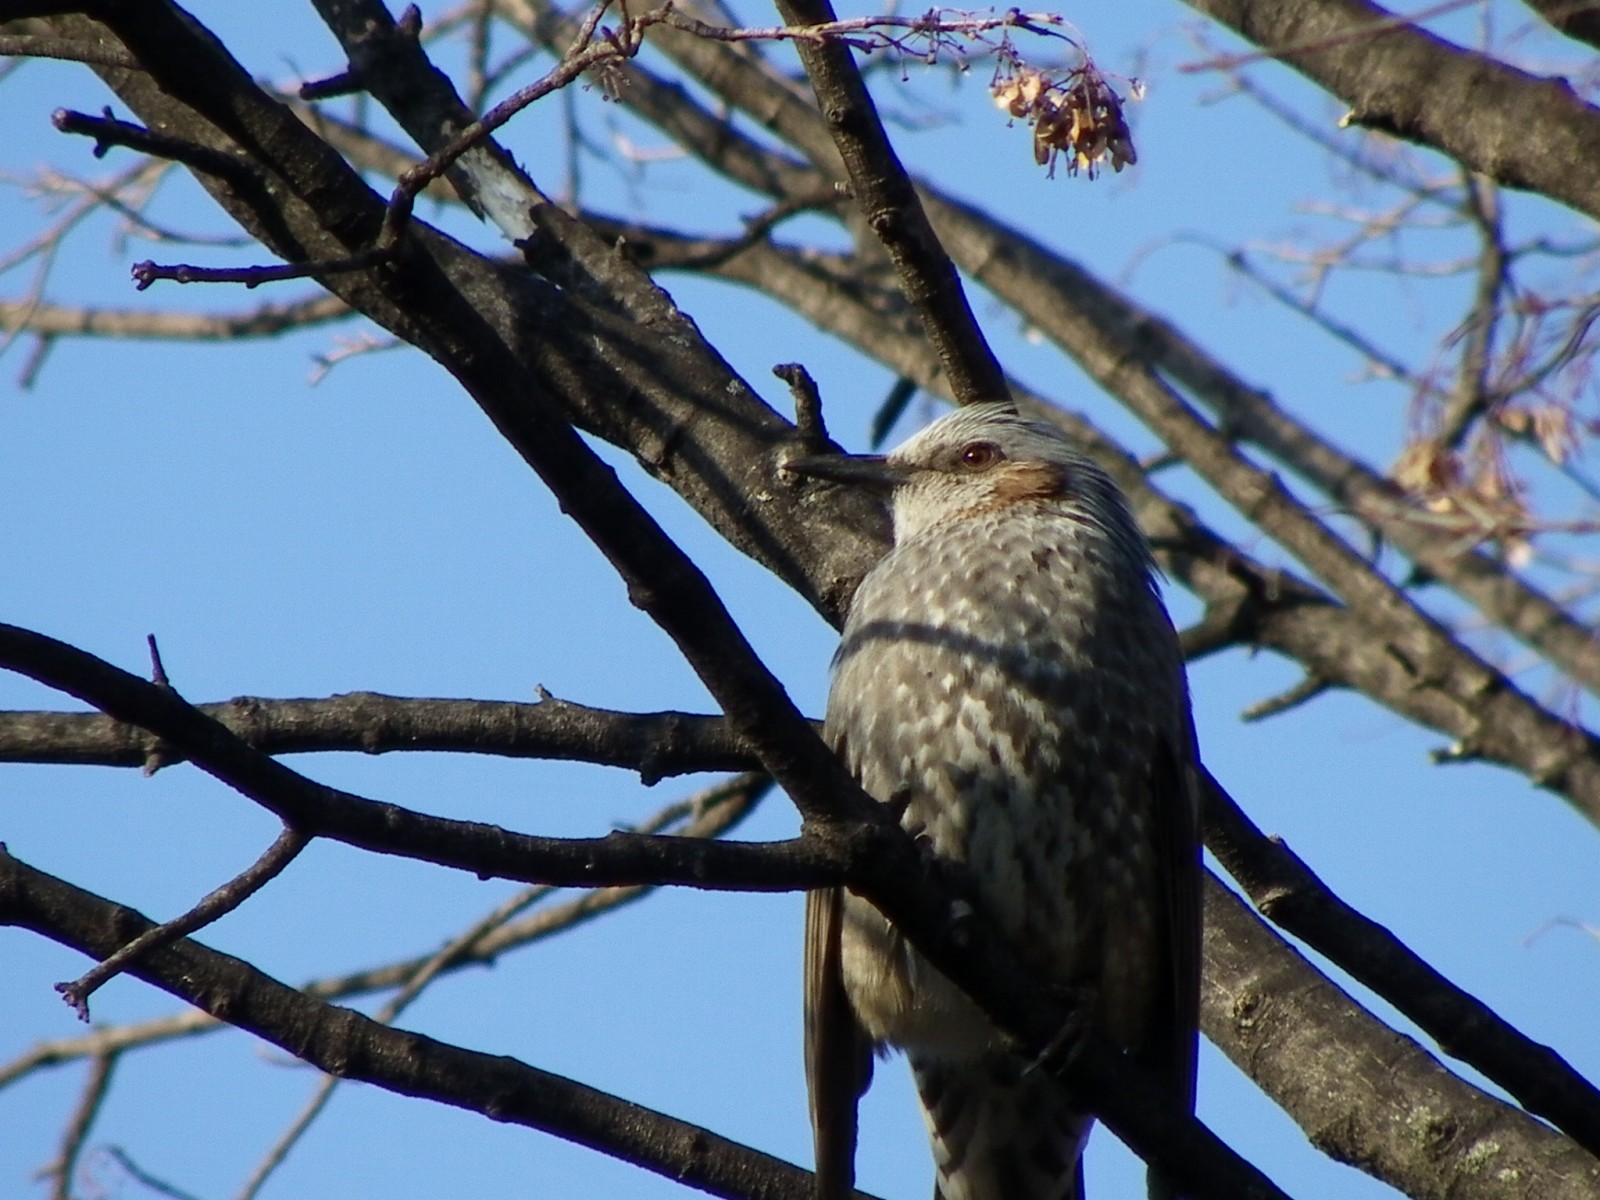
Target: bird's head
x,y
982,461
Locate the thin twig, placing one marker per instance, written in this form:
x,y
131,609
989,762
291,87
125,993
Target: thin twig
x,y
107,132
95,1087
1307,689
215,906
144,1179
811,433
708,817
219,903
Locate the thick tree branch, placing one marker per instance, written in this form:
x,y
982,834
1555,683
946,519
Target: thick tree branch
x,y
656,745
1369,1097
1290,895
319,810
1525,131
710,814
25,45
1429,676
348,1045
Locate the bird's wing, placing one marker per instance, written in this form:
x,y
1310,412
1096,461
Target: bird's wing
x,y
838,1052
1173,1043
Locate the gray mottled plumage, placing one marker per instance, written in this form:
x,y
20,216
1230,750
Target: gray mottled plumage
x,y
1009,676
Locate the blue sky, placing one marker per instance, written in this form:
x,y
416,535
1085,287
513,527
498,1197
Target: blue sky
x,y
372,532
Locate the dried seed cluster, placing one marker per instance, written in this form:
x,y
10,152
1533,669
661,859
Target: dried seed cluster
x,y
1078,116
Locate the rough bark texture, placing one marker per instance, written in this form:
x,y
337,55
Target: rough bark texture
x,y
1523,130
577,334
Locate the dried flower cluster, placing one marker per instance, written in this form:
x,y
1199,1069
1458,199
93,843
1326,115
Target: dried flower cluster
x,y
1474,494
1079,115
1475,491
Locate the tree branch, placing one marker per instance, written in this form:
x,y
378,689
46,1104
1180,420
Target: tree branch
x,y
283,851
1368,1096
893,212
656,745
269,320
1526,131
95,1087
1291,896
708,814
346,1044
319,810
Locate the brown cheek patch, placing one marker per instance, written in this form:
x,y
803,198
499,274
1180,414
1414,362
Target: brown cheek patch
x,y
1029,481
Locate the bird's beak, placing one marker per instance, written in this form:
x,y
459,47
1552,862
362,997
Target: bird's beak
x,y
871,471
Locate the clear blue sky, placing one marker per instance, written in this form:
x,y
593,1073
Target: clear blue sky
x,y
371,532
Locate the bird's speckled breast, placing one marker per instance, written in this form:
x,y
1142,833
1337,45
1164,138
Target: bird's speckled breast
x,y
1006,688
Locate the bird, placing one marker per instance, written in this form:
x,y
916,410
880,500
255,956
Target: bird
x,y
1009,681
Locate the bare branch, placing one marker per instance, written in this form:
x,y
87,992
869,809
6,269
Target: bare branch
x,y
344,1043
1291,896
656,745
710,814
107,132
144,1178
892,211
95,1087
268,320
319,810
218,904
23,45
1526,132
1369,1097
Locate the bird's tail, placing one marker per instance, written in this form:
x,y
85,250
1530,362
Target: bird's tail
x,y
1000,1134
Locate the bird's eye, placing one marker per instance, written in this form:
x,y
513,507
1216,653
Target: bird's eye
x,y
978,455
